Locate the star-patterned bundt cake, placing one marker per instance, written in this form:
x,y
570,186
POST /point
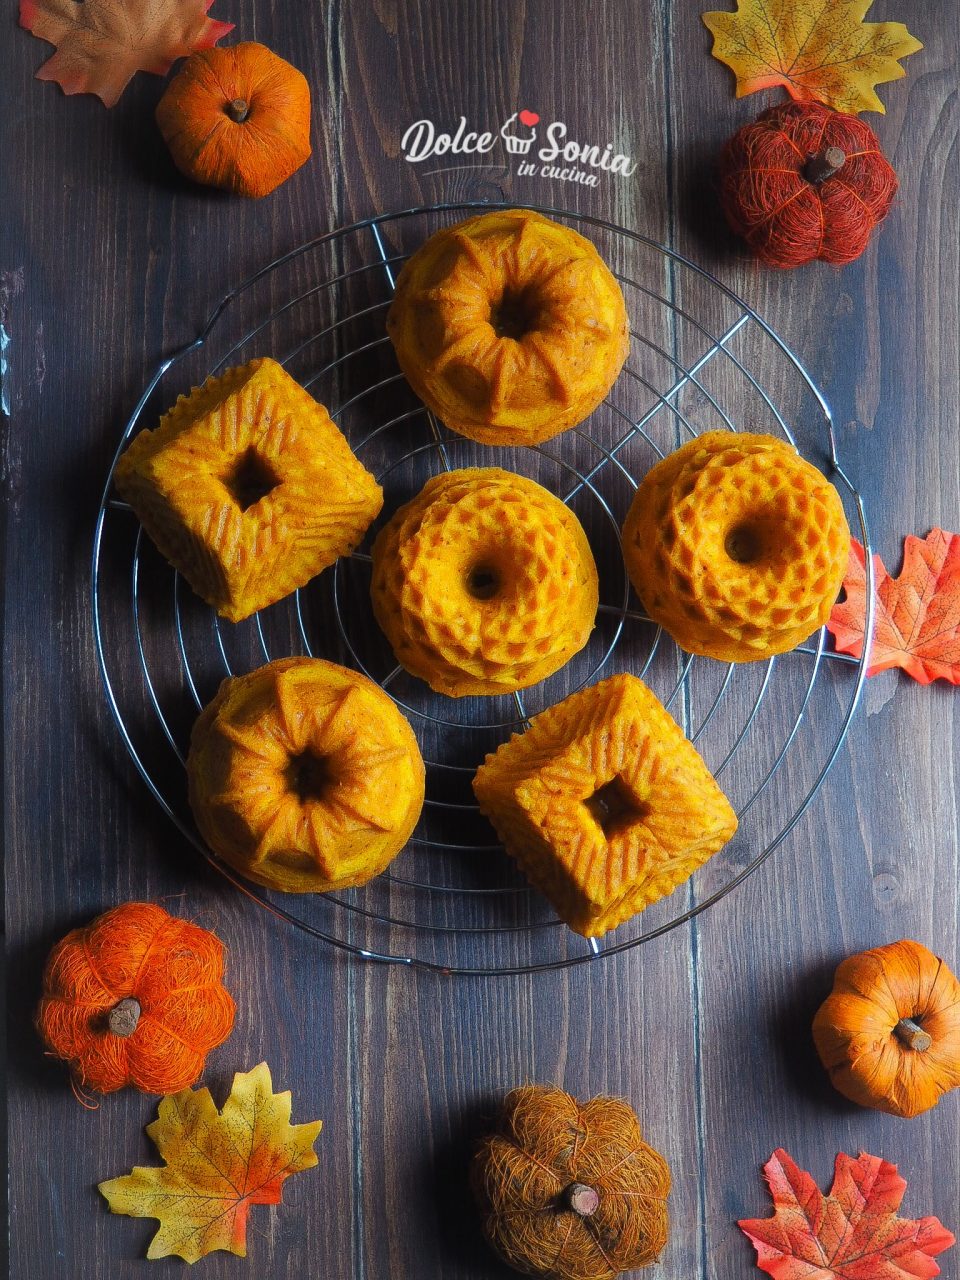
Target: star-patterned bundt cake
x,y
604,803
304,776
509,326
484,583
248,488
737,546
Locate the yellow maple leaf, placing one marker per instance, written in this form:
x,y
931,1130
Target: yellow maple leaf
x,y
218,1164
817,49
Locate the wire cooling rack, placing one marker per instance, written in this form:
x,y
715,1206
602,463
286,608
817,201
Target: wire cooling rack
x,y
701,359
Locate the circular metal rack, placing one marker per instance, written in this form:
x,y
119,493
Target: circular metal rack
x,y
453,901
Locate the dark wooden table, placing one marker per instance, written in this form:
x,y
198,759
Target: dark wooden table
x,y
108,261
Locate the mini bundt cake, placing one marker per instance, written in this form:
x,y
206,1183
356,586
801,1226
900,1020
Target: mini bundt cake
x,y
604,803
737,546
484,583
248,488
304,776
509,326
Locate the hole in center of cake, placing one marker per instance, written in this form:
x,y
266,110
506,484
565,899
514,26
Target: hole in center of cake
x,y
309,776
483,582
250,479
514,315
744,543
615,808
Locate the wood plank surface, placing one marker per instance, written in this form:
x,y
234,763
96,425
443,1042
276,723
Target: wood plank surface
x,y
109,260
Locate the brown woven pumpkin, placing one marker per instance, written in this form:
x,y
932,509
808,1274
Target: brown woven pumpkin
x,y
889,1032
237,118
571,1190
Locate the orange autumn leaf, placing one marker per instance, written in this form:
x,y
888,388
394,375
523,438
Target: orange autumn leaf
x,y
218,1164
851,1234
101,44
917,622
816,49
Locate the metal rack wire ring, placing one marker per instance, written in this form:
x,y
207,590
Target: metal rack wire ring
x,y
452,902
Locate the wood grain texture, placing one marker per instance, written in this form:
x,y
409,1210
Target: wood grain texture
x,y
108,260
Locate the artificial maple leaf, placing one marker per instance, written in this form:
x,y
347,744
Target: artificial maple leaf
x,y
851,1234
218,1164
101,44
917,621
820,49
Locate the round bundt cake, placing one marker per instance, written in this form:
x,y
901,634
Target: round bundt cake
x,y
737,546
509,326
484,583
304,776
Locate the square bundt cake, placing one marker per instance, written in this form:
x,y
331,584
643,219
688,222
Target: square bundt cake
x,y
604,803
248,488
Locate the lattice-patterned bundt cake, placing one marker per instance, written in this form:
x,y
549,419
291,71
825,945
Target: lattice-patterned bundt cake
x,y
484,583
304,776
737,546
604,803
248,488
509,326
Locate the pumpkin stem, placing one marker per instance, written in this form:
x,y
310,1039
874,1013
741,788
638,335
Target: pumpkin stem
x,y
583,1200
237,109
124,1016
824,164
912,1035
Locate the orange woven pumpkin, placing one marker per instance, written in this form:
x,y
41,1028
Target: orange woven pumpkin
x,y
889,1032
135,997
570,1190
237,118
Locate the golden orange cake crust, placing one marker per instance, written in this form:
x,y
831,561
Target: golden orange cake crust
x,y
248,488
737,546
509,326
304,776
484,583
604,803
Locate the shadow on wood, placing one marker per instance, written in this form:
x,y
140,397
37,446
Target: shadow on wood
x,y
144,149
448,1185
698,206
791,1024
28,1061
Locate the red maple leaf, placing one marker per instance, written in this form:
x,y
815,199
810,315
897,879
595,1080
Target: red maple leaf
x,y
917,623
851,1234
101,44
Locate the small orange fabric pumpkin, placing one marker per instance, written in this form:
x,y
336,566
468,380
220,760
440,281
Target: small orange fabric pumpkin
x,y
571,1190
136,998
889,1032
237,118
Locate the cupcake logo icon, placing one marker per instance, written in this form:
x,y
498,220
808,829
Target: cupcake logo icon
x,y
517,144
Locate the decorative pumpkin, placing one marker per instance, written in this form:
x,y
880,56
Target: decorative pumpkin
x,y
570,1190
237,118
889,1032
136,998
805,182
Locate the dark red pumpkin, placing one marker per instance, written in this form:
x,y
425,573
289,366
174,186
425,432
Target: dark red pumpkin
x,y
805,182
